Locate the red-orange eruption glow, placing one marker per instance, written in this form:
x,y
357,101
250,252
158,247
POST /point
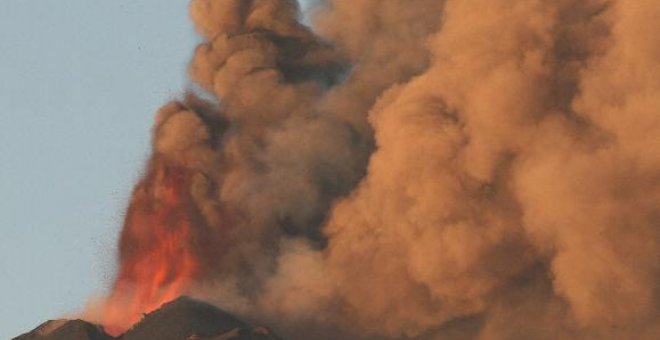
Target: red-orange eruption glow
x,y
157,260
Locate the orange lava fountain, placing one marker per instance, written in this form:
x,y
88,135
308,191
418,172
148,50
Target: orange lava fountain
x,y
157,261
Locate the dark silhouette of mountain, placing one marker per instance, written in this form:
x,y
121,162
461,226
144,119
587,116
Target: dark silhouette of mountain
x,y
180,319
66,330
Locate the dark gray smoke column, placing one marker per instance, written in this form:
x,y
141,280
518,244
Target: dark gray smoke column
x,y
231,177
420,168
281,158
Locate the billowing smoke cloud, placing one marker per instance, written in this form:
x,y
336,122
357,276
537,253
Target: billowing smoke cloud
x,y
433,169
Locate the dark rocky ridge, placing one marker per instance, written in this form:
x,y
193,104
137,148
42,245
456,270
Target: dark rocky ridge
x,y
66,330
181,319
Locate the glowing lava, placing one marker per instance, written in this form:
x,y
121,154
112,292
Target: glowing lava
x,y
157,261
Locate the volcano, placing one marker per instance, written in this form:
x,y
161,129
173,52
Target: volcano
x,y
181,319
427,169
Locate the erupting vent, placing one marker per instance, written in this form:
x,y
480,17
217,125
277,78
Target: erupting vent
x,y
427,169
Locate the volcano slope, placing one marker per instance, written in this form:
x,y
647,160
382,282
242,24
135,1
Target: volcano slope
x,y
180,319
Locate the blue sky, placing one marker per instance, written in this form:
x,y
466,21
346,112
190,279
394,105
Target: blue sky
x,y
80,81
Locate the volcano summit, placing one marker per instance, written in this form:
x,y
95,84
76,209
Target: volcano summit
x,y
180,319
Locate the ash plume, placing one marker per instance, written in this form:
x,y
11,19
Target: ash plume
x,y
429,169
